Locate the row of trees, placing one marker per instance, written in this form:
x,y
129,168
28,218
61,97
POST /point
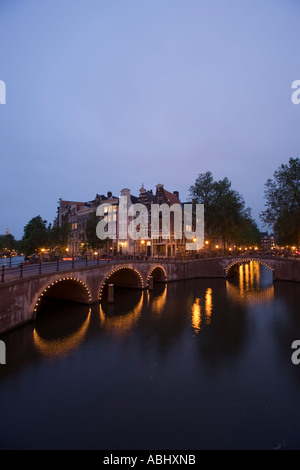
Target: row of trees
x,y
225,215
40,235
282,208
8,243
37,235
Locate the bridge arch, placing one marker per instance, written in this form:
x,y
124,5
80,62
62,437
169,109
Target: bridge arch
x,y
122,276
158,273
68,288
244,261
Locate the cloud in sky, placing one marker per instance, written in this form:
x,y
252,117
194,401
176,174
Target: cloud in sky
x,y
105,95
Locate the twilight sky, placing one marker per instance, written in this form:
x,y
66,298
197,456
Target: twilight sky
x,y
107,94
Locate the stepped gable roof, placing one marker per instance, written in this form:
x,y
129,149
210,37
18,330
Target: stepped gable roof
x,y
172,197
65,204
163,195
134,199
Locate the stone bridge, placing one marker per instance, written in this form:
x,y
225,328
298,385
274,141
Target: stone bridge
x,y
20,299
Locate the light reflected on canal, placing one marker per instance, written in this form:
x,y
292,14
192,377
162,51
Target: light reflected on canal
x,y
159,300
196,315
208,305
197,310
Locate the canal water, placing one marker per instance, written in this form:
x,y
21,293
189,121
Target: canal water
x,y
196,364
13,261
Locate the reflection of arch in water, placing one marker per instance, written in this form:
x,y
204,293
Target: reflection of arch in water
x,y
241,294
123,276
121,324
68,288
158,273
244,261
59,347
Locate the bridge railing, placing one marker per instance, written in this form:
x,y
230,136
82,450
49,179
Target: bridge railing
x,y
14,271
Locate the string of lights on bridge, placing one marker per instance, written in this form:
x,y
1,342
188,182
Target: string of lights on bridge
x,y
153,269
246,260
60,280
114,272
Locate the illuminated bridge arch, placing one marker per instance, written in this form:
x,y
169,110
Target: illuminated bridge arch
x,y
158,273
244,261
67,288
122,276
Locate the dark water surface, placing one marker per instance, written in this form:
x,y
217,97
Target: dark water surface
x,y
198,364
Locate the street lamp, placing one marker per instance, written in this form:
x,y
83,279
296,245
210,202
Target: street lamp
x,y
41,254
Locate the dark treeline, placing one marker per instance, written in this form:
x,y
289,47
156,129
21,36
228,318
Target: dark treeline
x,y
282,207
225,216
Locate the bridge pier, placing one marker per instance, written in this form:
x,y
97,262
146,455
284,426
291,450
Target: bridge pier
x,y
110,293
